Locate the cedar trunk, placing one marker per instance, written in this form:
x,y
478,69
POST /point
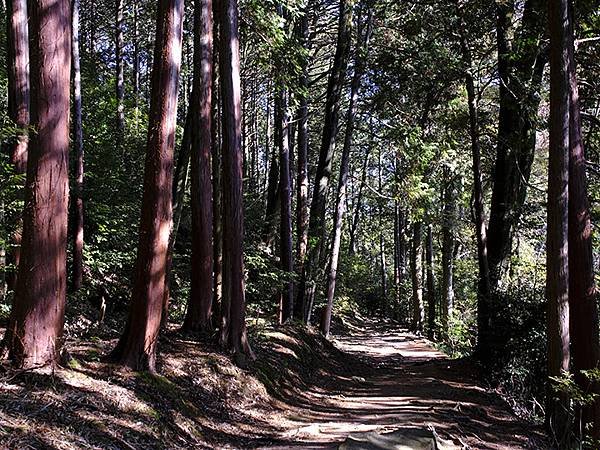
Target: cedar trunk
x,y
137,346
557,263
35,331
198,316
583,309
233,334
18,110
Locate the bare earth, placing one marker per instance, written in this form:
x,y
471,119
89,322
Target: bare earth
x,y
302,392
401,381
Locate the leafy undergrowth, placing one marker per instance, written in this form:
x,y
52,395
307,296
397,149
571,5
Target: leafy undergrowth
x,y
200,399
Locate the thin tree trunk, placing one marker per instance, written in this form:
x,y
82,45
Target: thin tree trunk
x,y
316,228
484,325
136,63
35,331
430,283
78,134
137,346
448,241
418,309
285,196
120,88
583,309
217,175
18,111
356,216
338,221
233,212
302,159
557,263
198,315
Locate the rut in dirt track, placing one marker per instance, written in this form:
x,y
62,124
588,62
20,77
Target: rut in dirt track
x,y
391,380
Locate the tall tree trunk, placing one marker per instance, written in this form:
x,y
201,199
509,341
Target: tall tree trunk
x,y
338,221
418,310
233,212
557,263
302,159
137,346
217,175
448,222
520,68
34,334
583,309
484,325
136,63
316,228
78,134
198,315
285,195
18,111
430,284
120,88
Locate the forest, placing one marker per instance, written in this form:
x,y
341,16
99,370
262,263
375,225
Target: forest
x,y
319,224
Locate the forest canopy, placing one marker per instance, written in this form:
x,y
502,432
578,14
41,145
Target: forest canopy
x,y
216,172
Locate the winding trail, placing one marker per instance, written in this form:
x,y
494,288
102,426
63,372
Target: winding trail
x,y
392,380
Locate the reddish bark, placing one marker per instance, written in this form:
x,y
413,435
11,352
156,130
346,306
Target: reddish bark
x,y
18,107
233,334
583,309
34,335
200,304
137,346
557,263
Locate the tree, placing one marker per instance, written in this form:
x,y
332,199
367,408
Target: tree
x,y
198,316
483,280
302,31
521,65
78,134
285,196
360,58
557,262
430,283
416,258
18,107
448,241
316,228
34,335
583,308
233,310
120,67
137,346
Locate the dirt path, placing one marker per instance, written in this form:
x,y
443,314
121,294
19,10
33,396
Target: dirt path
x,y
390,380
